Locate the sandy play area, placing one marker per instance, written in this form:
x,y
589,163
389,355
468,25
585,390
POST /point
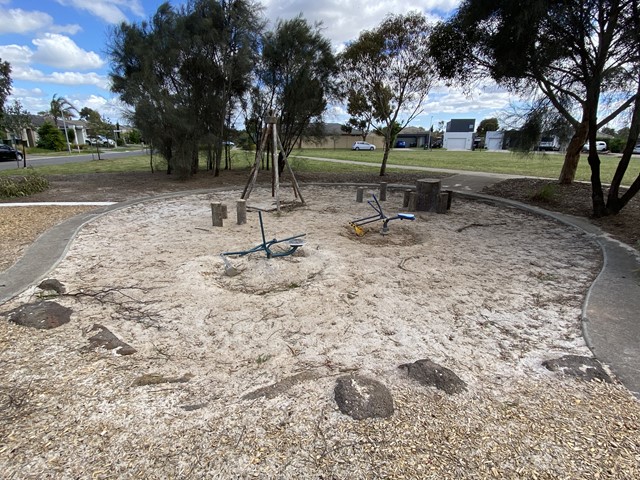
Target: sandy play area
x,y
488,292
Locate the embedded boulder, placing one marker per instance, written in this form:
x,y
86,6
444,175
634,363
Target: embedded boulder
x,y
584,368
107,340
361,397
43,315
52,285
431,374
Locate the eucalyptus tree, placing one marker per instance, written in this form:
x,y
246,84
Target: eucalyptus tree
x,y
180,72
391,66
294,81
581,54
5,83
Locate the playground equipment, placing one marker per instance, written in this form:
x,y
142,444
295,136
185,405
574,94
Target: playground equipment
x,y
292,244
379,216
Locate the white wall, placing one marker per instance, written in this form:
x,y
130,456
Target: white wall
x,y
493,140
458,140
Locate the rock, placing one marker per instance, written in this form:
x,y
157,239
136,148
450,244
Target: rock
x,y
42,315
361,397
431,374
52,284
156,379
584,368
105,339
272,391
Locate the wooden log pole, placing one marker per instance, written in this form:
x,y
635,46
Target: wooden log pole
x,y
241,211
216,214
413,201
360,194
427,190
405,197
443,200
383,191
225,212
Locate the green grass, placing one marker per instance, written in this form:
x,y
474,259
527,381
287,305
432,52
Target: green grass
x,y
535,165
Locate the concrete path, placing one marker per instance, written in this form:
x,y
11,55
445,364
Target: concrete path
x,y
611,312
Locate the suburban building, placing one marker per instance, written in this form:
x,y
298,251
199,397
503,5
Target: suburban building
x,y
459,134
494,140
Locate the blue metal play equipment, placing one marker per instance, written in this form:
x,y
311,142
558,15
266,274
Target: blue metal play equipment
x,y
292,244
379,216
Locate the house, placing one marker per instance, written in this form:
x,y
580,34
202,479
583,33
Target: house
x,y
459,134
30,135
494,140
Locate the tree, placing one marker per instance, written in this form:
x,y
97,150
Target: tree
x,y
62,108
295,79
391,67
487,125
50,137
5,83
576,52
361,112
181,71
16,119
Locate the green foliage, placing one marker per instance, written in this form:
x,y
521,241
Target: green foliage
x,y
296,78
50,137
23,186
545,194
616,145
487,125
133,136
16,119
5,84
390,67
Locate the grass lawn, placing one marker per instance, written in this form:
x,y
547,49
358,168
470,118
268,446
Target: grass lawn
x,y
535,165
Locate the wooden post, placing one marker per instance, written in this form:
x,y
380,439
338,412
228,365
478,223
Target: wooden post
x,y
241,211
449,198
359,194
383,191
405,197
216,214
427,190
443,200
224,210
413,201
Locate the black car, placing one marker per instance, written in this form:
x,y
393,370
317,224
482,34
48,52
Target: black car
x,y
8,153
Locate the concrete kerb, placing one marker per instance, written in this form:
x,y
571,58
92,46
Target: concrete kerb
x,y
612,340
610,320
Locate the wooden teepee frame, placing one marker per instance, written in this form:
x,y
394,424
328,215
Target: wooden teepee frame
x,y
270,132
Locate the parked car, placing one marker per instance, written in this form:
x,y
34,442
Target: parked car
x,y
9,153
401,144
101,140
363,146
636,149
600,146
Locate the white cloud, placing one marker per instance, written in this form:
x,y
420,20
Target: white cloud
x,y
110,11
16,20
63,78
15,54
344,20
61,52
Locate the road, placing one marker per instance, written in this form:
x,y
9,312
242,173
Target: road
x,y
42,160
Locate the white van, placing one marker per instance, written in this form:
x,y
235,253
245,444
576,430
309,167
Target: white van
x,y
600,146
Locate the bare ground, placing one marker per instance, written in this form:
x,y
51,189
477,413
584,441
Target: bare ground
x,y
487,292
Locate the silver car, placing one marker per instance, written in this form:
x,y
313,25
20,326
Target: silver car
x,y
363,146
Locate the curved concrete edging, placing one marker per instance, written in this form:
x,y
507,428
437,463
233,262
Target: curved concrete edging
x,y
610,317
610,313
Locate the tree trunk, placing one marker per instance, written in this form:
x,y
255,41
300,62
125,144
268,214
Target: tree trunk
x,y
597,195
385,157
572,157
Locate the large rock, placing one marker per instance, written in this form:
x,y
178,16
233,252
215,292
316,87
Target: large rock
x,y
42,315
105,339
431,374
361,397
584,368
52,285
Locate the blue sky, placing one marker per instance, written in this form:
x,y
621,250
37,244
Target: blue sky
x,y
57,47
